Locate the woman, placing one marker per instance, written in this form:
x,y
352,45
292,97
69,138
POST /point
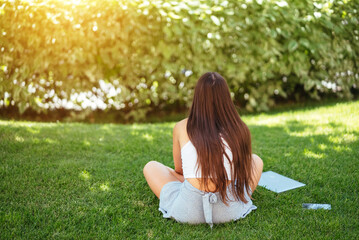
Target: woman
x,y
215,171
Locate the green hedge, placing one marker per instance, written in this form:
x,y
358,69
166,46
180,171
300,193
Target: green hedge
x,y
151,53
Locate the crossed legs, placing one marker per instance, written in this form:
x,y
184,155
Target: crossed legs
x,y
157,175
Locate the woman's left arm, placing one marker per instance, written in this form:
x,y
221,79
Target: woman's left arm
x,y
177,150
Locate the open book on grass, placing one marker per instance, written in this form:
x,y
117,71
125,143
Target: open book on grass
x,y
278,183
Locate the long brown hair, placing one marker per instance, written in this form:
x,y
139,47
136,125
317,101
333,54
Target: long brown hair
x,y
212,117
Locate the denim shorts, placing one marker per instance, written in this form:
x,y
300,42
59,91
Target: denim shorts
x,y
187,204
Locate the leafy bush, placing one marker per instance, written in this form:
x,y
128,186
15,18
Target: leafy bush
x,y
138,56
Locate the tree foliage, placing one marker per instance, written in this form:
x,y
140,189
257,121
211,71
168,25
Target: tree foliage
x,y
141,55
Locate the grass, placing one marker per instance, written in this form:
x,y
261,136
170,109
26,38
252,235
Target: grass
x,y
72,180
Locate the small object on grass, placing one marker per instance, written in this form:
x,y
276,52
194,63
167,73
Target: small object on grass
x,y
317,206
278,183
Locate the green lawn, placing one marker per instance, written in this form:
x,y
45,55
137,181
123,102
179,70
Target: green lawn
x,y
72,180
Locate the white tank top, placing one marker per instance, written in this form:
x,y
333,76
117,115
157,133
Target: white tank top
x,y
189,161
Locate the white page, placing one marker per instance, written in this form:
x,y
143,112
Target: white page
x,y
278,183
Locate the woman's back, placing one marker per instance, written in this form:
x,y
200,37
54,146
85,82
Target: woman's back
x,y
189,159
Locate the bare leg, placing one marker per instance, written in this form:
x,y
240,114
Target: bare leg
x,y
257,171
157,175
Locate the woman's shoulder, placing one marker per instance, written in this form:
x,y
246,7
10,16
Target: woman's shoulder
x,y
181,125
180,130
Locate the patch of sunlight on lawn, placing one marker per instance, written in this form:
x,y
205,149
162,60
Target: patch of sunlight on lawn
x,y
138,203
49,140
325,130
19,139
105,209
322,146
108,128
105,127
104,187
147,136
86,143
342,149
346,138
314,130
311,154
136,126
319,117
134,133
32,130
307,132
264,120
150,233
85,175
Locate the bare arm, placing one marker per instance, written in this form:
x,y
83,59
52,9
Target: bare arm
x,y
177,150
256,171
